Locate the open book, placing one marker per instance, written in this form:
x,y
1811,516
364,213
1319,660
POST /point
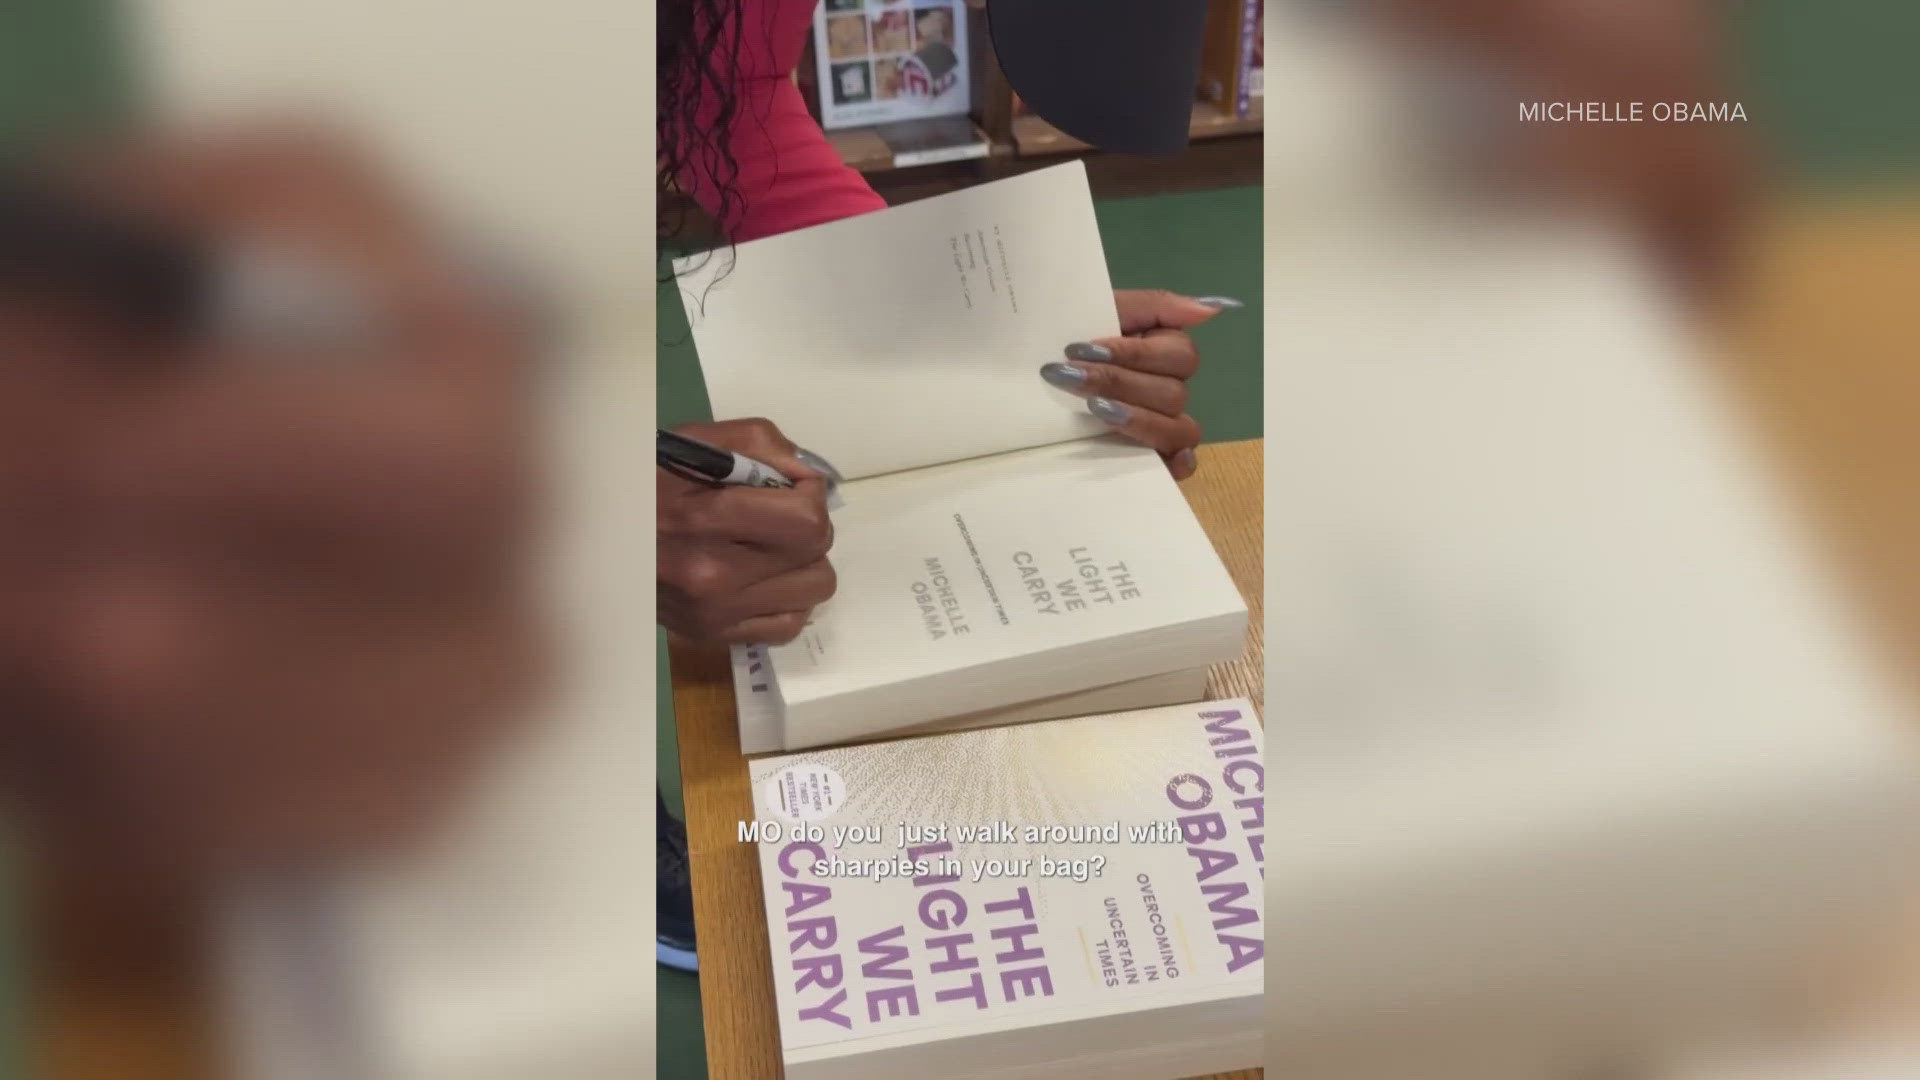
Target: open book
x,y
996,546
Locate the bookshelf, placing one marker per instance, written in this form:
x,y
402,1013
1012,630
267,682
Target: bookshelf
x,y
1030,135
1012,139
865,149
1225,151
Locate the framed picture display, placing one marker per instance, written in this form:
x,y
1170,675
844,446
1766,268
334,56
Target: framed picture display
x,y
887,60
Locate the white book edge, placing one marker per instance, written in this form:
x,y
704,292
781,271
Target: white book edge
x,y
962,691
1199,1035
758,710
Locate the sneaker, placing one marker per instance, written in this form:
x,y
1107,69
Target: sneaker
x,y
675,948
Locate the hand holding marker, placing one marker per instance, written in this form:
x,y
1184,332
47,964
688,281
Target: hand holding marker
x,y
742,544
694,460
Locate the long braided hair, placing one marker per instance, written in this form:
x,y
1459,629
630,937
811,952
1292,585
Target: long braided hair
x,y
697,103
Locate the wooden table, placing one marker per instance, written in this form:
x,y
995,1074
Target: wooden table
x,y
1830,358
736,968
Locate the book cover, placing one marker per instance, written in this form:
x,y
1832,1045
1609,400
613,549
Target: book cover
x,y
885,60
1084,890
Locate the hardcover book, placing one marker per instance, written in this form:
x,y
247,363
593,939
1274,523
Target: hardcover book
x,y
1074,898
995,546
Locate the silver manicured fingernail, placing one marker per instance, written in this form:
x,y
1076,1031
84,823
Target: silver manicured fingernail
x,y
1064,376
1109,410
1087,350
819,464
1219,303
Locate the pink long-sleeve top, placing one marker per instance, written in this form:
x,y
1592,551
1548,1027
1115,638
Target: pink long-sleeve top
x,y
790,177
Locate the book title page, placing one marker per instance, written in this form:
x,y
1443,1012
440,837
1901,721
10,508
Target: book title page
x,y
995,560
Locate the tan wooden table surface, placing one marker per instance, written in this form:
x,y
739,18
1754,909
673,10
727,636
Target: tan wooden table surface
x,y
1833,365
736,969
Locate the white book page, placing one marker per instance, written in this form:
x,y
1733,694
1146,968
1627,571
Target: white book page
x,y
995,559
912,336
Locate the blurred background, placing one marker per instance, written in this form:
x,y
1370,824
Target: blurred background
x,y
1557,780
1824,272
464,214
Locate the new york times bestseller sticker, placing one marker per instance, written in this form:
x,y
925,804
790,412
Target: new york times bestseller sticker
x,y
806,792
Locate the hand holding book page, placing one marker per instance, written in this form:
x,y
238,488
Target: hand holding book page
x,y
1080,898
1073,976
1137,384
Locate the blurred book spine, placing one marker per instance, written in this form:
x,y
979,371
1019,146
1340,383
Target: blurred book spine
x,y
1256,80
1231,57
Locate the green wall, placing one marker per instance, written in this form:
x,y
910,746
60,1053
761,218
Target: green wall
x,y
61,63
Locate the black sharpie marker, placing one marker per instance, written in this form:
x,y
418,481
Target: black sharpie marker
x,y
695,460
